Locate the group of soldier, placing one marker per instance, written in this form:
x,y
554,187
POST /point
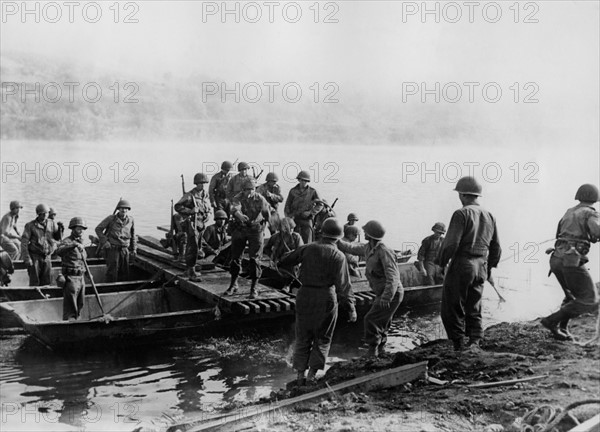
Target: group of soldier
x,y
310,246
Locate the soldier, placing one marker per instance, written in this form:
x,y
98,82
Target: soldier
x,y
351,236
282,243
430,247
61,227
217,189
236,183
384,280
351,220
578,228
118,241
325,280
37,245
194,206
299,204
6,267
215,236
10,239
473,246
73,256
321,211
272,193
250,212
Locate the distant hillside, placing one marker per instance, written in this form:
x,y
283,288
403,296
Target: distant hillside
x,y
174,109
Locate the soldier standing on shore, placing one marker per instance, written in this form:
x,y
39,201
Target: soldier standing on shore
x,y
578,228
10,239
473,249
217,189
194,207
73,256
37,245
299,204
118,241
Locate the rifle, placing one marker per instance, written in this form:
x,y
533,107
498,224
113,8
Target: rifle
x,y
182,184
256,177
334,202
100,243
172,231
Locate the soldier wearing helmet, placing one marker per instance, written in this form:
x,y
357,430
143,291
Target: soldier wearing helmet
x,y
10,238
282,243
321,211
215,236
325,281
472,248
430,247
299,204
351,233
271,191
577,230
194,207
382,272
61,228
118,241
37,245
73,256
217,189
236,183
250,211
351,221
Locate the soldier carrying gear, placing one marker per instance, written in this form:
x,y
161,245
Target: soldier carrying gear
x,y
279,245
118,241
428,252
272,193
10,238
250,212
217,189
73,256
382,272
37,245
236,183
195,208
215,236
577,230
299,204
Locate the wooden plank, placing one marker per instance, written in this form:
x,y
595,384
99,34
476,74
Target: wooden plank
x,y
254,307
243,308
164,228
507,382
275,305
378,380
264,306
590,425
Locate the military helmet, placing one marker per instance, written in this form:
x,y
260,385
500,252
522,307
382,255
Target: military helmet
x,y
468,186
51,212
439,227
352,217
220,214
249,183
303,175
124,204
243,166
587,192
77,221
226,165
351,229
15,204
331,228
272,177
200,178
374,230
321,201
41,208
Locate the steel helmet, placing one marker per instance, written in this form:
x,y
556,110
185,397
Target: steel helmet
x,y
587,192
200,178
51,211
249,183
220,214
439,227
15,204
374,230
243,166
272,177
226,165
124,204
468,186
352,217
77,221
41,208
331,228
351,229
303,175
321,201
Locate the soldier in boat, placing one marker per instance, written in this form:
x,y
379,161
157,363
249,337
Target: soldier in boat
x,y
217,188
321,211
279,245
351,233
38,242
73,256
351,221
271,191
236,184
299,205
430,247
10,239
215,236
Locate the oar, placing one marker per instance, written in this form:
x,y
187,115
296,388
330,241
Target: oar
x,y
493,284
89,273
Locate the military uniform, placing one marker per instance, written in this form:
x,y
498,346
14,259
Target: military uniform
x,y
214,238
318,220
195,208
73,269
235,186
38,243
279,245
428,252
272,193
382,272
118,234
217,191
473,246
325,281
577,229
10,240
298,206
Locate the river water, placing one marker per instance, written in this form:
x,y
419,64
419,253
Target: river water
x,y
406,188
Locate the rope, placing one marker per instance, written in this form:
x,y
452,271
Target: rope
x,y
545,418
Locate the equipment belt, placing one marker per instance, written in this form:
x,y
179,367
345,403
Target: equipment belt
x,y
72,271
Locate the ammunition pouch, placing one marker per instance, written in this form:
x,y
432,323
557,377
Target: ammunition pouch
x,y
572,252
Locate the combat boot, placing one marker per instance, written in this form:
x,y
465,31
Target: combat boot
x,y
553,327
193,276
300,379
459,344
233,286
253,290
311,378
563,326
